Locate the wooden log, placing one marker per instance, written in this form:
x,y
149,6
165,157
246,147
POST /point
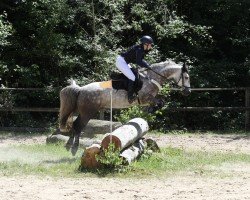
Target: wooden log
x,y
129,154
133,152
62,138
88,159
126,135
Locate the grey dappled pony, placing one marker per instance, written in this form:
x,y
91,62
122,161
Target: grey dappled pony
x,y
87,100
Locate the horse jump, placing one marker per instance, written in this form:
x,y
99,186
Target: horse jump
x,y
87,100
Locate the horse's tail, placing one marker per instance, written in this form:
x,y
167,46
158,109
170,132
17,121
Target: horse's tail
x,y
68,103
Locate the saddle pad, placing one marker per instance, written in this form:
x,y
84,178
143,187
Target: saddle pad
x,y
106,84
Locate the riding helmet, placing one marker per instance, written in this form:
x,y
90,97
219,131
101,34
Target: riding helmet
x,y
146,39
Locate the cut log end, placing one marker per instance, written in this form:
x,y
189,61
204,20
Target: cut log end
x,y
88,159
111,139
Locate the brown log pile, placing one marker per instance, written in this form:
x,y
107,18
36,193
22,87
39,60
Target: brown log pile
x,y
128,139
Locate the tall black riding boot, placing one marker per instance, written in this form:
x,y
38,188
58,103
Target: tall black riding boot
x,y
131,95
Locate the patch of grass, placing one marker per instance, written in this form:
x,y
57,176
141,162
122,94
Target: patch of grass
x,y
41,160
54,160
174,160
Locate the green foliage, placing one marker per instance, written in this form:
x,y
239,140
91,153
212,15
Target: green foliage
x,y
171,160
5,30
44,43
110,157
133,112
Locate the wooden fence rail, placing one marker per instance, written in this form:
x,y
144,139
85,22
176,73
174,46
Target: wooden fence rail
x,y
246,108
177,109
4,109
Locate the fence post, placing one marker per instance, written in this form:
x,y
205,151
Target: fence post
x,y
247,104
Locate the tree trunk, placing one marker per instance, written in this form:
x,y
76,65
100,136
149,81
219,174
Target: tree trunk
x,y
127,134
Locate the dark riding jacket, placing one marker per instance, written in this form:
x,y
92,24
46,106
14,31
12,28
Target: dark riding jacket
x,y
135,55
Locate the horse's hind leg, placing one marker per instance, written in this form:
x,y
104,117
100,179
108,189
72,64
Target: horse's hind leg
x,y
63,117
65,114
78,125
70,141
67,129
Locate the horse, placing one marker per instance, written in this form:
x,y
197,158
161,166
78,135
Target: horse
x,y
91,98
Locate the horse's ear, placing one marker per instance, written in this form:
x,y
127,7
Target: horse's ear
x,y
184,67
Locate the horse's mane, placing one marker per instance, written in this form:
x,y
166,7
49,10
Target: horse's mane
x,y
167,63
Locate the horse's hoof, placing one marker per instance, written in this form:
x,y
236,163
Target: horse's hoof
x,y
69,143
74,150
67,147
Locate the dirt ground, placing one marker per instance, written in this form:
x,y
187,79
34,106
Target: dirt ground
x,y
180,186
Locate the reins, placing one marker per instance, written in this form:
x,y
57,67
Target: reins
x,y
181,75
155,72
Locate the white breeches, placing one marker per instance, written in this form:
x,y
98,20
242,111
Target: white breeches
x,y
124,68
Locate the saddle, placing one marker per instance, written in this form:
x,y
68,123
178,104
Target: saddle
x,y
120,81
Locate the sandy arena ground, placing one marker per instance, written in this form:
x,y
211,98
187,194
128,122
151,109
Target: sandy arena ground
x,y
181,186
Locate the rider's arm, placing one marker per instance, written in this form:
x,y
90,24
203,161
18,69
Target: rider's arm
x,y
139,59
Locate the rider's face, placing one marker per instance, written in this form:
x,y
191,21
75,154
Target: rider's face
x,y
147,47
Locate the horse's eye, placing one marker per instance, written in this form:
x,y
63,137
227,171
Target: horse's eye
x,y
186,78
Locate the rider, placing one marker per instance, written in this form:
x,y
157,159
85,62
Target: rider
x,y
134,55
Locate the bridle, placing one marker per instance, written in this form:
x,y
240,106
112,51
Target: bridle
x,y
183,70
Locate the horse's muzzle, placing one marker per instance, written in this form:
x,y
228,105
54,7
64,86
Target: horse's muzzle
x,y
186,91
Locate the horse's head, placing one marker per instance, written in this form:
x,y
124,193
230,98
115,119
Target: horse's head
x,y
183,80
169,70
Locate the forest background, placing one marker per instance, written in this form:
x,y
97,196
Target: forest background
x,y
44,43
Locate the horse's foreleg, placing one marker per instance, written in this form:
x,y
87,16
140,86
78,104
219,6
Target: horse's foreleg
x,y
75,146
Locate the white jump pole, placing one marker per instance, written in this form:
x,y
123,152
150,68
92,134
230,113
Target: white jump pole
x,y
111,113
